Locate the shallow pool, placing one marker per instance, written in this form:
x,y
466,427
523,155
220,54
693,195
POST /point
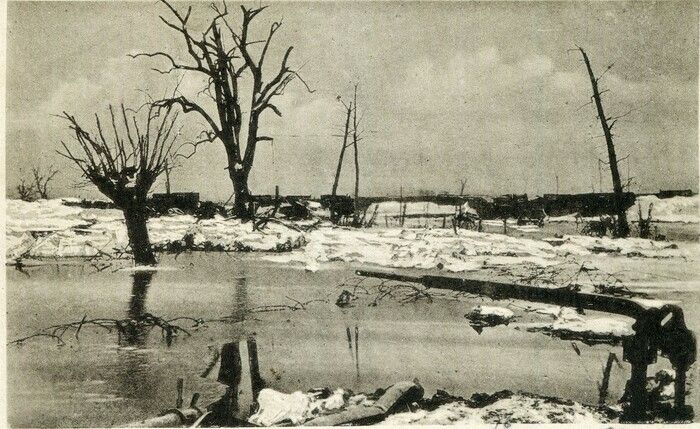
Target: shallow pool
x,y
100,379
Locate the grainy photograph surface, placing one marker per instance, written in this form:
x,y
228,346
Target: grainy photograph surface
x,y
351,213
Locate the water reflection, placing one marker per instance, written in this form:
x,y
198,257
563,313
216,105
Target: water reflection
x,y
134,334
241,302
238,402
135,380
354,351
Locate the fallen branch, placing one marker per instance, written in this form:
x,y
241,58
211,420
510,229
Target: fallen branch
x,y
148,321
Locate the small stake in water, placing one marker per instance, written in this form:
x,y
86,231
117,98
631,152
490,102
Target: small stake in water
x,y
180,387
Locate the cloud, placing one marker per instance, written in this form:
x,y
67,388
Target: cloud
x,y
535,66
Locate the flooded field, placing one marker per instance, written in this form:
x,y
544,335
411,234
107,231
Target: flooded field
x,y
101,380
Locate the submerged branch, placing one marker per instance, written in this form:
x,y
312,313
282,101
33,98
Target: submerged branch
x,y
148,321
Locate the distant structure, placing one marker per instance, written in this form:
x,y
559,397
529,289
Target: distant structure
x,y
188,202
675,193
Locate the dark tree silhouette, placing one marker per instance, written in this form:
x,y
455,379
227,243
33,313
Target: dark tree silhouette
x,y
622,228
25,192
227,54
42,179
355,139
37,186
346,134
125,164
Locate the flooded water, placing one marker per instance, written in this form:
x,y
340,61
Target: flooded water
x,y
102,379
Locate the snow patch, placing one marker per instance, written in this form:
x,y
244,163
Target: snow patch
x,y
568,324
426,249
297,407
395,208
517,408
675,209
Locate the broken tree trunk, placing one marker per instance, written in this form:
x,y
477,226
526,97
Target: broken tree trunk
x,y
621,227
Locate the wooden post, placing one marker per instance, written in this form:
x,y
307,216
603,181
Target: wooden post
x,y
604,385
167,177
230,375
180,387
357,350
400,206
256,381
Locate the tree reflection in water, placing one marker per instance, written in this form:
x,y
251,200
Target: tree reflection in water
x,y
136,380
135,334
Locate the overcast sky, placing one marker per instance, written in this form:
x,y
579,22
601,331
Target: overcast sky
x,y
483,91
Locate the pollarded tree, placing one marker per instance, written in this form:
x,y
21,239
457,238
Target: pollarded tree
x,y
124,163
227,56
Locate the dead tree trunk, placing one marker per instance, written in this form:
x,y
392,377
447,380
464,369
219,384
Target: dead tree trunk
x,y
355,139
348,112
241,192
621,226
463,184
136,219
354,143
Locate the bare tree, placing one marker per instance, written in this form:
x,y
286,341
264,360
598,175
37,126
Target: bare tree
x,y
125,165
355,139
25,192
462,185
225,55
357,221
42,179
621,226
346,134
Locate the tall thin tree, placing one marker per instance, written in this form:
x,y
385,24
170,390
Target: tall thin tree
x,y
355,140
621,226
335,215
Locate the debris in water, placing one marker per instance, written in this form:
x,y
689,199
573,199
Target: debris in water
x,y
484,316
570,326
345,298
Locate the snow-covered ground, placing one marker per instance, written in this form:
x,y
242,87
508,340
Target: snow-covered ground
x,y
44,229
675,209
465,251
276,408
396,208
512,408
666,210
49,229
